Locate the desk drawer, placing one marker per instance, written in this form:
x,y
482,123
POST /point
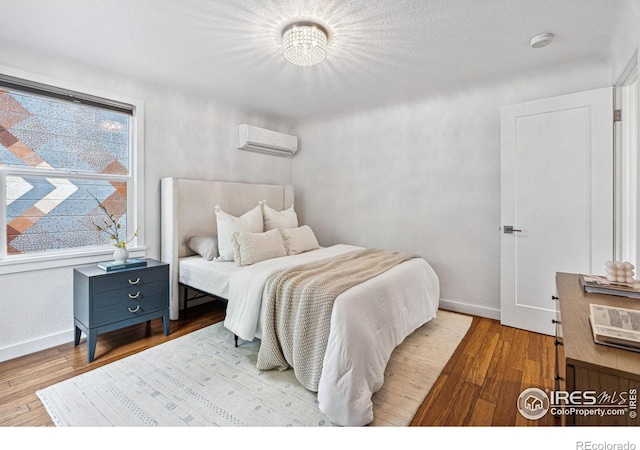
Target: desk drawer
x,y
128,309
129,278
135,293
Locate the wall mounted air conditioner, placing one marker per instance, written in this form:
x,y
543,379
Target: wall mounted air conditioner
x,y
259,140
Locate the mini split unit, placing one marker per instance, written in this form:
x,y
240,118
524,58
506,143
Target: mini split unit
x,y
259,140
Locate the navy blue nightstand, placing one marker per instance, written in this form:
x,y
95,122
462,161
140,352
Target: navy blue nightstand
x,y
106,301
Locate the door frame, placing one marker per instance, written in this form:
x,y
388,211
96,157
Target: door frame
x,y
626,164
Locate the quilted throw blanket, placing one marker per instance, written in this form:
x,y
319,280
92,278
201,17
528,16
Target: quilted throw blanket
x,y
298,304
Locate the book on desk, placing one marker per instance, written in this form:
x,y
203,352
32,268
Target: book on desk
x,y
110,266
615,327
597,284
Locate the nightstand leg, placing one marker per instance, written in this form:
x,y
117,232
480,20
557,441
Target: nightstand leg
x,y
165,322
76,340
92,340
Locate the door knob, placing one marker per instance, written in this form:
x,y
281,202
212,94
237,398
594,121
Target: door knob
x,y
508,229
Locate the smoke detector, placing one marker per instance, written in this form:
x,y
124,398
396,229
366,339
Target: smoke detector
x,y
541,40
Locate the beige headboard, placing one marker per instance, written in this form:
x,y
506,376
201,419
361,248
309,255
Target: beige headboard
x,y
188,210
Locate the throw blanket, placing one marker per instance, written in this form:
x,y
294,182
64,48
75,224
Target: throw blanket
x,y
298,304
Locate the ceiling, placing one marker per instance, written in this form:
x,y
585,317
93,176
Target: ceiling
x,y
380,51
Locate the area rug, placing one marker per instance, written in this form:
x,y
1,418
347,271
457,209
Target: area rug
x,y
201,379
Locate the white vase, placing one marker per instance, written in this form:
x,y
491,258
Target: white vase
x,y
121,254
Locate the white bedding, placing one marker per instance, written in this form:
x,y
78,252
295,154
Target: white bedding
x,y
213,277
367,323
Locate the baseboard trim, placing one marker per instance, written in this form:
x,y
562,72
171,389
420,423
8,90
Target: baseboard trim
x,y
26,348
467,308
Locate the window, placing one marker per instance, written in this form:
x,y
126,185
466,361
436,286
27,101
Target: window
x,y
62,152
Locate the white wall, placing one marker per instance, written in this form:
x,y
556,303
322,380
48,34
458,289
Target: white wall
x,y
185,136
422,177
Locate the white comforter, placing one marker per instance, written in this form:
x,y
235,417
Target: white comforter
x,y
367,323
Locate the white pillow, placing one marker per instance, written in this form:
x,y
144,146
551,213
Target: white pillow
x,y
205,246
278,219
251,248
250,221
298,240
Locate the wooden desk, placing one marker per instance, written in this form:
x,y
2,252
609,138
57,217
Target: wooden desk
x,y
583,365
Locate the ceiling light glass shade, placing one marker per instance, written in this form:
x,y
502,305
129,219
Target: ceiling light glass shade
x,y
304,43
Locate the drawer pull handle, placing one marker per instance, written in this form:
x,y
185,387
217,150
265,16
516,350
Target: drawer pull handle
x,y
133,297
558,378
555,321
557,342
553,297
134,282
134,310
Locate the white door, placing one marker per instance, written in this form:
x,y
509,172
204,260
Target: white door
x,y
557,194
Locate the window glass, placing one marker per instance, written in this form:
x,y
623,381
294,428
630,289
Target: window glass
x,y
59,161
50,213
53,134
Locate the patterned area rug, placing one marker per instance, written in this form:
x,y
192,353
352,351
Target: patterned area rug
x,y
201,379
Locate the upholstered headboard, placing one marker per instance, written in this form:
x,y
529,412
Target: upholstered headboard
x,y
188,210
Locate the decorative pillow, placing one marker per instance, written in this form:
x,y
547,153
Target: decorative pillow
x,y
205,246
250,248
278,219
250,221
298,240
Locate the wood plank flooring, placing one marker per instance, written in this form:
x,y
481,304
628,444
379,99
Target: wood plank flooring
x,y
478,387
481,382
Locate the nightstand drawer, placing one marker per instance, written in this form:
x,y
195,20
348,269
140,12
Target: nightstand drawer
x,y
135,293
129,278
129,309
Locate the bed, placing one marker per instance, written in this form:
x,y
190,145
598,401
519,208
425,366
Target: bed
x,y
367,320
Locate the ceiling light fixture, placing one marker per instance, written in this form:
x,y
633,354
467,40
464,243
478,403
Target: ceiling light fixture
x,y
541,40
304,43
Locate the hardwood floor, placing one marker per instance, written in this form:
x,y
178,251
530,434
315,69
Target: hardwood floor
x,y
478,387
20,378
481,382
